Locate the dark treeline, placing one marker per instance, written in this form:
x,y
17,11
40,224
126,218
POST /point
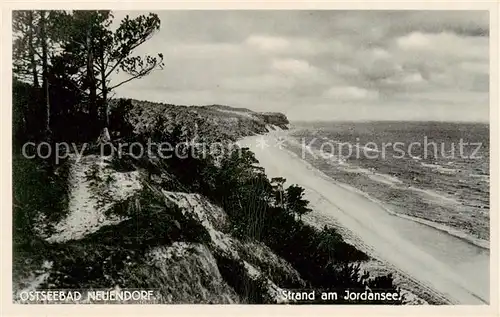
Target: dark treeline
x,y
65,65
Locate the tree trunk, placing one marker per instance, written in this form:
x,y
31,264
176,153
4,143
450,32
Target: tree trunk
x,y
105,106
94,115
45,82
104,136
31,48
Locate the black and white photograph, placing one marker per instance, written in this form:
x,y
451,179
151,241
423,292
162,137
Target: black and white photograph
x,y
286,157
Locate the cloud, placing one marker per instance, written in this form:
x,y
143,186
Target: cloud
x,y
296,46
414,40
380,53
259,83
412,78
463,23
445,45
202,50
476,67
268,43
344,69
378,61
292,66
349,93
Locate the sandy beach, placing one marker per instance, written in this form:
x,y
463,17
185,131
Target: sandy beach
x,y
447,267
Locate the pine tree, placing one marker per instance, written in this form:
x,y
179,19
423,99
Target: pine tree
x,y
24,46
100,52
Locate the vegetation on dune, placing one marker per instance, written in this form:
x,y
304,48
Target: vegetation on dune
x,y
261,209
99,259
253,291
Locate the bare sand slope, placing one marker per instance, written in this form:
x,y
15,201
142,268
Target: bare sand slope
x,y
444,265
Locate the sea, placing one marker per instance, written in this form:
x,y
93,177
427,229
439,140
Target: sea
x,y
435,173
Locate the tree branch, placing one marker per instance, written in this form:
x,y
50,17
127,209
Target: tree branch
x,y
132,78
78,88
132,47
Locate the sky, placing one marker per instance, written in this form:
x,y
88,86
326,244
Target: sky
x,y
323,65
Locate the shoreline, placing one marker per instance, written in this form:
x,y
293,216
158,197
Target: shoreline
x,y
379,233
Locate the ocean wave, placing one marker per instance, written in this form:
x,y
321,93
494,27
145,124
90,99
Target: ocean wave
x,y
447,171
335,158
485,244
375,176
434,165
440,169
434,194
349,144
385,179
485,178
346,167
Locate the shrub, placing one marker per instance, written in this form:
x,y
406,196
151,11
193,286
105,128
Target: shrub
x,y
233,271
98,260
39,189
295,203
